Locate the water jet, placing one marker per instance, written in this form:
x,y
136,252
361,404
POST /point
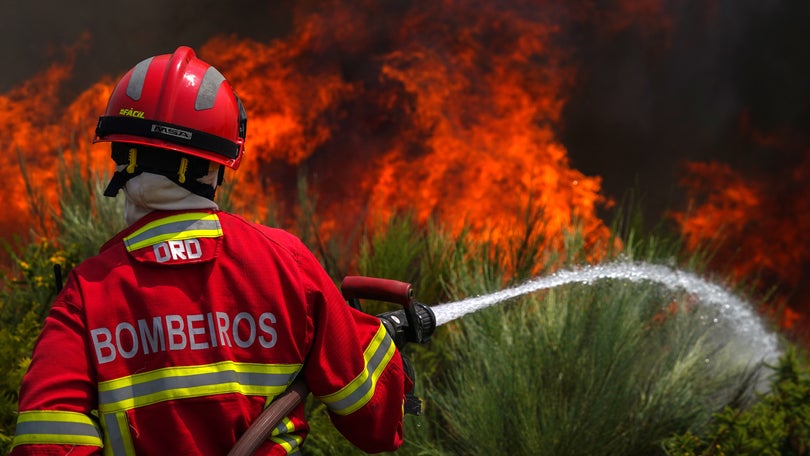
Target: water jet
x,y
726,308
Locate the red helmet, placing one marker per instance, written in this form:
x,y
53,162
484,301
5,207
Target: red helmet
x,y
177,102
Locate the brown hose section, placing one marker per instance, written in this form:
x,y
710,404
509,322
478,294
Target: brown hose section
x,y
258,431
353,287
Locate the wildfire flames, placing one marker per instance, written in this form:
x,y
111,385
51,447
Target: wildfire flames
x,y
757,228
448,109
458,127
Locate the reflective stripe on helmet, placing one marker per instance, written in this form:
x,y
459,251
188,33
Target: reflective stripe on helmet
x,y
360,390
135,86
209,86
56,427
176,227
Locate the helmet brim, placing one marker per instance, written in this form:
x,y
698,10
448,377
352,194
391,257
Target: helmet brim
x,y
154,142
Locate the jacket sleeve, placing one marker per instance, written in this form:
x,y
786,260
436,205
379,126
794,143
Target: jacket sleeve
x,y
354,368
57,394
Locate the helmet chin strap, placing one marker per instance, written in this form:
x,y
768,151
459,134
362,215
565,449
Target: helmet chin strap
x,y
193,174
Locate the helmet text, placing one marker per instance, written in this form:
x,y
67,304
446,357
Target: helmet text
x,y
129,112
169,131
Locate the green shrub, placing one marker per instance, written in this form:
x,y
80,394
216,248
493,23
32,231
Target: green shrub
x,y
16,343
25,299
778,424
608,368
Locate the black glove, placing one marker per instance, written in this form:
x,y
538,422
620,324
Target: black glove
x,y
413,404
408,368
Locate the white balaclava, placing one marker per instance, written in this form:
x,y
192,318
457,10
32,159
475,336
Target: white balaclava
x,y
149,192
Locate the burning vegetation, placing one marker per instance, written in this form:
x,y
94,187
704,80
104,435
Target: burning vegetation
x,y
756,226
448,109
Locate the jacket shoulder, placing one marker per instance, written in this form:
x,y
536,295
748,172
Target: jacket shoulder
x,y
237,226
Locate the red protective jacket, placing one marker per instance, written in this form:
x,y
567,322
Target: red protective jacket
x,y
184,327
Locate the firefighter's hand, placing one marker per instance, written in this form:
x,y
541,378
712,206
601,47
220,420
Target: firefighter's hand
x,y
413,404
407,367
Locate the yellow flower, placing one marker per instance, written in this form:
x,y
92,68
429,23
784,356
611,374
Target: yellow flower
x,y
57,258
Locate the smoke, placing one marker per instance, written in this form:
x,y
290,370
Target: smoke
x,y
629,91
696,87
113,36
659,82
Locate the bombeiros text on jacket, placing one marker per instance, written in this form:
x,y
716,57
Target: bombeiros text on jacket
x,y
175,332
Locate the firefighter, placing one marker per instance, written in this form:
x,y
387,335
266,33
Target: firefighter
x,y
190,321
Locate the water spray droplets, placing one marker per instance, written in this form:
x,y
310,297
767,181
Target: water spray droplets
x,y
729,308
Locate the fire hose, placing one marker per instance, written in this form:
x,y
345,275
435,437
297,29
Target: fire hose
x,y
415,322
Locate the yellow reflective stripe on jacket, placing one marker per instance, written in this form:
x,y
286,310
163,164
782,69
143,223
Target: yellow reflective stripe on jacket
x,y
194,381
175,227
117,438
360,390
282,435
290,442
56,427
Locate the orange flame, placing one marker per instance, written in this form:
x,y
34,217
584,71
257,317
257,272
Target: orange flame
x,y
36,127
448,109
459,128
758,228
